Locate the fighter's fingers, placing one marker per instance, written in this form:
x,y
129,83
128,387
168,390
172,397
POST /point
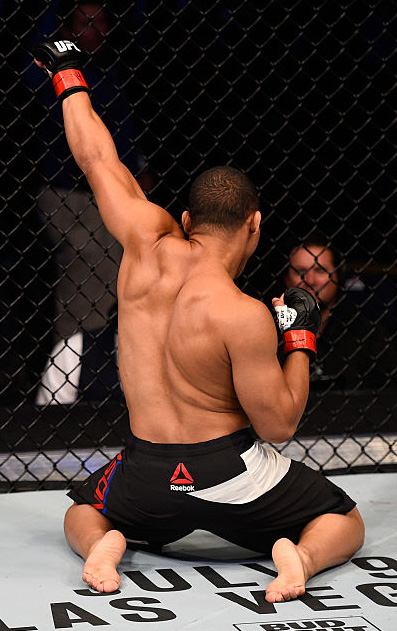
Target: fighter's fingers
x,y
41,65
278,302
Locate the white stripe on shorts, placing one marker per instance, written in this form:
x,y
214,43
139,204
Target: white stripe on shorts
x,y
265,468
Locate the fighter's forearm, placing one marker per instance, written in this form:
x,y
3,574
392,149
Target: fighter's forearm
x,y
299,320
296,374
89,139
290,402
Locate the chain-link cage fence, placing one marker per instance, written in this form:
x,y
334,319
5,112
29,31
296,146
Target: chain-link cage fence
x,y
297,95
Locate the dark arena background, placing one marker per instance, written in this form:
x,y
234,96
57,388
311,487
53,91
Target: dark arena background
x,y
299,96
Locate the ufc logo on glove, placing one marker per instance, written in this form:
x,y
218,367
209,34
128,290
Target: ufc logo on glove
x,y
64,44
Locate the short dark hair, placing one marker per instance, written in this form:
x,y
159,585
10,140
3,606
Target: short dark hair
x,y
222,197
68,10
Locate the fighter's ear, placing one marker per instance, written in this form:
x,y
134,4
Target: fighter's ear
x,y
255,222
186,222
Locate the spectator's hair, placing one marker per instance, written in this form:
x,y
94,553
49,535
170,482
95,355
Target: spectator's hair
x,y
68,10
222,197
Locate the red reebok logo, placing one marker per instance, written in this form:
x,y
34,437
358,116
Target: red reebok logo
x,y
181,475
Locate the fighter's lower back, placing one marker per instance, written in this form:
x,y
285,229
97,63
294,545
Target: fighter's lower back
x,y
174,370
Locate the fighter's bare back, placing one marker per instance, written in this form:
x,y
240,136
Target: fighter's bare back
x,y
174,366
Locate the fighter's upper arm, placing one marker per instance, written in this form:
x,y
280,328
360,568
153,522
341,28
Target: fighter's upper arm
x,y
124,208
259,381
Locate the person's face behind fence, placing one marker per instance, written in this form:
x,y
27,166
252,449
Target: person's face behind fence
x,y
313,269
89,26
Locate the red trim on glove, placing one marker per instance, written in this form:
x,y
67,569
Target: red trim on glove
x,y
296,340
65,79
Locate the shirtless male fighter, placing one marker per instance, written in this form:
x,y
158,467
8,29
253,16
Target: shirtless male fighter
x,y
199,369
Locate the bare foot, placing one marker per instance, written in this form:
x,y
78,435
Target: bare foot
x,y
292,574
100,568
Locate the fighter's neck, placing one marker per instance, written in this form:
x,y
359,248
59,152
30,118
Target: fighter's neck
x,y
214,251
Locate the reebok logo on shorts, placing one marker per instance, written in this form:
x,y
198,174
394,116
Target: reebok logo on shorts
x,y
181,480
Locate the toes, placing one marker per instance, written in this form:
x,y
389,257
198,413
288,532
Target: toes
x,y
277,597
285,595
92,581
110,586
271,597
105,585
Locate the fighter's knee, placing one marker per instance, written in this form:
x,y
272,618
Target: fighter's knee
x,y
360,526
68,515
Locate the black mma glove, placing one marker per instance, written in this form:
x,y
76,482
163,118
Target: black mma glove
x,y
299,320
63,59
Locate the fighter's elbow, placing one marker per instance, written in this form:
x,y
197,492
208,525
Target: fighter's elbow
x,y
276,430
89,160
275,437
95,155
281,437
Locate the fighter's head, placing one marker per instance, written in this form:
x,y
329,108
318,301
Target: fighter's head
x,y
222,197
223,200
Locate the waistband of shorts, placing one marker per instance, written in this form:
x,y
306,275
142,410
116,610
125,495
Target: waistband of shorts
x,y
239,441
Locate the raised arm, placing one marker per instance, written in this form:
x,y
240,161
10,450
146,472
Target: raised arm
x,y
124,208
126,212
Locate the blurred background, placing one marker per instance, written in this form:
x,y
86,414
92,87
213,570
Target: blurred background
x,y
297,95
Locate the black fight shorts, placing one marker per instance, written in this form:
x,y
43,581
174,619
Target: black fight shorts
x,y
233,487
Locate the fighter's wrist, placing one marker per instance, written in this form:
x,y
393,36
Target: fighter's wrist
x,y
299,339
67,82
